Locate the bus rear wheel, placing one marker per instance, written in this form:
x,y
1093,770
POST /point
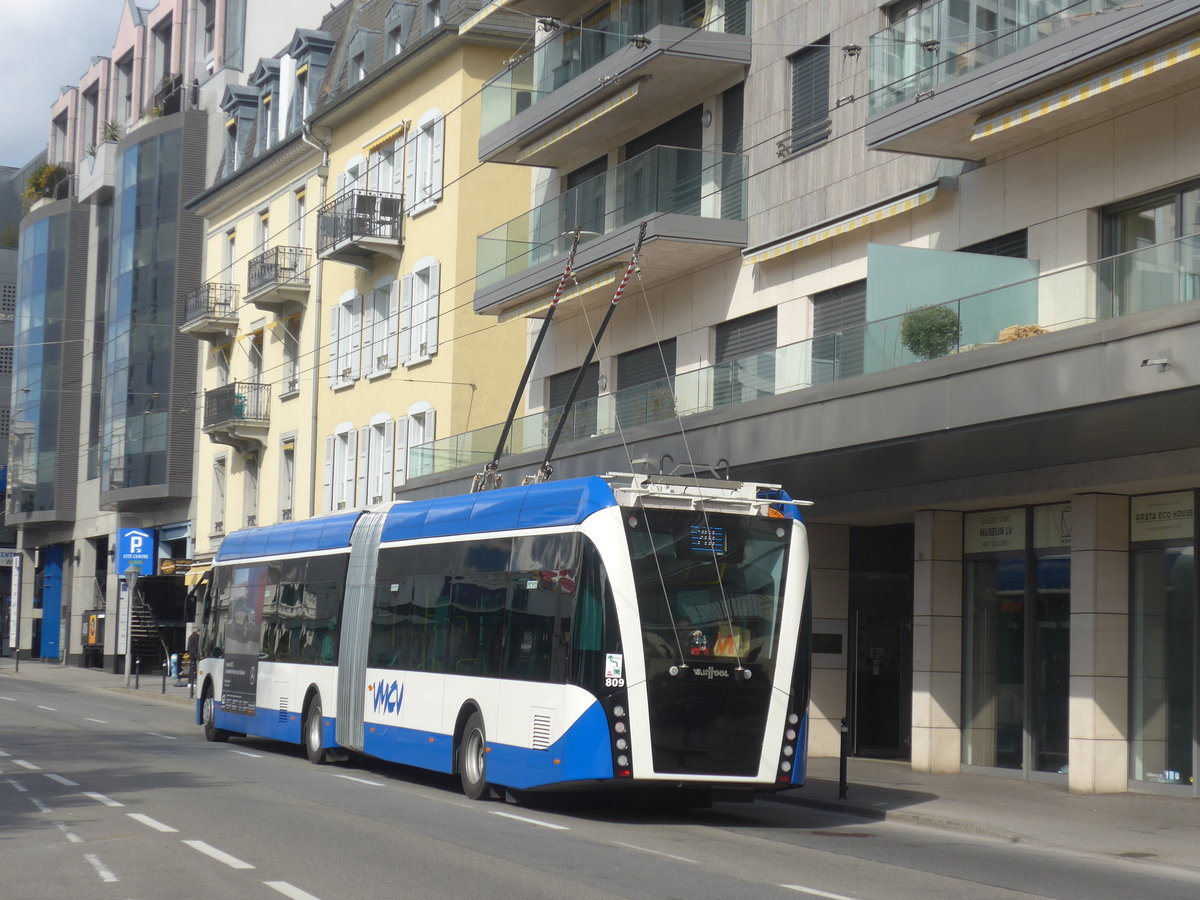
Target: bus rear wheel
x,y
472,758
314,733
208,715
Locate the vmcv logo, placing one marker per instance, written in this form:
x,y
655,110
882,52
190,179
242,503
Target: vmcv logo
x,y
388,695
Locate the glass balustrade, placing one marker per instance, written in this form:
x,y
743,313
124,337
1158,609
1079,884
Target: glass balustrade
x,y
1149,278
661,180
948,39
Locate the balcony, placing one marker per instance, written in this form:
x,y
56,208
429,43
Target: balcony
x,y
692,201
356,226
211,312
957,79
278,279
238,414
600,81
95,175
1021,318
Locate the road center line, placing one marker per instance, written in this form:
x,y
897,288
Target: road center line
x,y
67,781
97,721
71,836
49,708
20,788
537,822
654,852
105,873
246,753
289,890
165,737
42,807
100,798
360,780
152,823
27,765
799,888
219,855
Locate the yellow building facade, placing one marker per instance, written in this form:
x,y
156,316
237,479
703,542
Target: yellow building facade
x,y
337,329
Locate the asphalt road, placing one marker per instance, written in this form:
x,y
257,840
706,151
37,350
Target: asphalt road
x,y
107,795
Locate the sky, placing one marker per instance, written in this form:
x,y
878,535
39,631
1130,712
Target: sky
x,y
48,44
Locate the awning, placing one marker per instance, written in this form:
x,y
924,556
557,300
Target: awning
x,y
1118,76
389,135
543,303
494,6
195,573
886,210
574,125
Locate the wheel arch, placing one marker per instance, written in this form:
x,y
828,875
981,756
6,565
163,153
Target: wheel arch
x,y
465,712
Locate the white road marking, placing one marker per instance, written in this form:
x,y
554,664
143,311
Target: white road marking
x,y
71,836
97,721
9,699
16,784
4,754
27,765
100,798
105,873
290,890
531,821
246,753
42,807
654,852
152,823
360,780
67,781
219,855
50,708
165,737
799,888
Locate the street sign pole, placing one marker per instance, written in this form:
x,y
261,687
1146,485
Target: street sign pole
x,y
14,625
131,576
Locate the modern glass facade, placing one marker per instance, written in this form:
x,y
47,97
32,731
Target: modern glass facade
x,y
139,344
38,364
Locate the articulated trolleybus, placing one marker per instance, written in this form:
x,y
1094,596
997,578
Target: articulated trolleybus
x,y
621,629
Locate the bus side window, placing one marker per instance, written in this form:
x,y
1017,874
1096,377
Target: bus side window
x,y
390,622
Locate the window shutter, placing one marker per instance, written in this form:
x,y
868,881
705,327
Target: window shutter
x,y
746,336
287,89
435,162
400,461
355,317
364,452
330,446
406,321
381,357
432,307
410,170
385,470
393,323
351,457
430,425
646,365
335,372
342,180
810,95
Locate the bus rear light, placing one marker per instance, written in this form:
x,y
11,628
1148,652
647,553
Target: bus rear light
x,y
793,719
787,751
619,711
625,773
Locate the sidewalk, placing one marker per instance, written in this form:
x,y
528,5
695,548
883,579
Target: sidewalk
x,y
1164,830
1157,829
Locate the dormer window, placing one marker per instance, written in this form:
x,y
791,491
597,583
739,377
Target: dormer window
x,y
241,107
301,71
361,52
267,78
398,25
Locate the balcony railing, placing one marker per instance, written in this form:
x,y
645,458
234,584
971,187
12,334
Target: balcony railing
x,y
211,301
242,402
279,267
582,44
661,180
356,215
1141,280
949,39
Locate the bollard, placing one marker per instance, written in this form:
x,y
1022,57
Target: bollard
x,y
137,673
164,676
842,788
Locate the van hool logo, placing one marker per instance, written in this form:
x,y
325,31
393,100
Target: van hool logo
x,y
710,673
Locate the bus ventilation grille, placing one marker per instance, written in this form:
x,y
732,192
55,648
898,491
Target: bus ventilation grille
x,y
283,710
541,731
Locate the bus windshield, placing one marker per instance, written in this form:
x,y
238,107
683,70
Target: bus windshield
x,y
709,585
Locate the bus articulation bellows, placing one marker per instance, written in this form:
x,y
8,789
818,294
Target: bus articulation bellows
x,y
628,628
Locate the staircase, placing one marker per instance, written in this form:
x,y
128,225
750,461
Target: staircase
x,y
145,642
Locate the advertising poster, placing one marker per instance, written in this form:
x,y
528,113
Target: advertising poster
x,y
243,638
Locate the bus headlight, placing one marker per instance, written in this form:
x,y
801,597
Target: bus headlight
x,y
622,760
785,766
622,744
619,727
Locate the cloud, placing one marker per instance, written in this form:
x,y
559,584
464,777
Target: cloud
x,y
49,43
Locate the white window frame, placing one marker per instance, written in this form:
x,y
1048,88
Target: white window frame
x,y
287,477
424,162
380,454
422,429
420,307
341,467
251,471
290,383
381,328
220,484
345,337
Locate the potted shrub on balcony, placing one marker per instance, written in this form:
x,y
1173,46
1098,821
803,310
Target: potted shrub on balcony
x,y
239,406
47,181
930,332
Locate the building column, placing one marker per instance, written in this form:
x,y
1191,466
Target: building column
x,y
937,641
1098,750
829,569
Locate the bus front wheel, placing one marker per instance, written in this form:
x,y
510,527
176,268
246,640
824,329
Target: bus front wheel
x,y
208,715
313,736
472,758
